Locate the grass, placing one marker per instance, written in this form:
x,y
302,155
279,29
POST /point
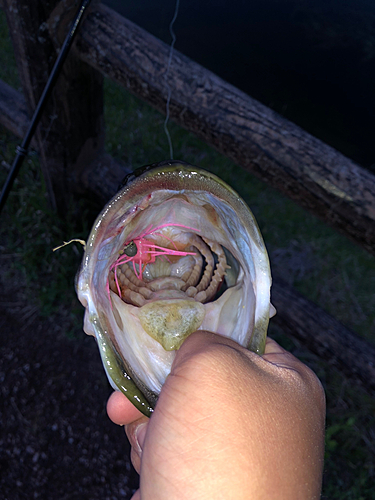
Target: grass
x,y
320,263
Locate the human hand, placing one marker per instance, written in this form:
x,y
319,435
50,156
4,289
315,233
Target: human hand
x,y
229,424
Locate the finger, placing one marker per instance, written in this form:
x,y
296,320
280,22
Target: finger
x,y
120,410
136,432
136,460
283,359
199,341
136,496
272,347
278,356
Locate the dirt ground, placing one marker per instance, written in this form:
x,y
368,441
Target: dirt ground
x,y
56,441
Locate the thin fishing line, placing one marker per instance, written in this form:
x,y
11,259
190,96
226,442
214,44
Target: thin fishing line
x,y
169,90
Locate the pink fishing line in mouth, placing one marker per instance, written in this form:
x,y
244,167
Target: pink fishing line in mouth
x,y
146,253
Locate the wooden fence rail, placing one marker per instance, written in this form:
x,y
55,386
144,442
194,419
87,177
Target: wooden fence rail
x,y
313,174
72,153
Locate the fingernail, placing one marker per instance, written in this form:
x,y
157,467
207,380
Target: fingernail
x,y
140,435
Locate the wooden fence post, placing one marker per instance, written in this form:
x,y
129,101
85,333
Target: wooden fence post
x,y
71,131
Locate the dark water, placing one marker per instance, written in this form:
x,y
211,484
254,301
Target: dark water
x,y
313,61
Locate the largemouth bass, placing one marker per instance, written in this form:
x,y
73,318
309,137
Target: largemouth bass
x,y
175,251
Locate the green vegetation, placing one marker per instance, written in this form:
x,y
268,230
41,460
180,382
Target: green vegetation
x,y
323,265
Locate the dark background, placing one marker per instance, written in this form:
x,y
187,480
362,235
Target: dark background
x,y
313,61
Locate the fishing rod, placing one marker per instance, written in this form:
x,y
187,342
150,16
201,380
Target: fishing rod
x,y
22,150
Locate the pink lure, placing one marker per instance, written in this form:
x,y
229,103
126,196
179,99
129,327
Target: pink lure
x,y
146,253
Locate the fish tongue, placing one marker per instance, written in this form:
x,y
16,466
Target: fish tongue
x,y
171,321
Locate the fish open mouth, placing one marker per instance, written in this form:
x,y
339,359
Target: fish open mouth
x,y
169,272
177,250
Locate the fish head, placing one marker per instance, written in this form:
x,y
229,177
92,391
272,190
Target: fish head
x,y
175,251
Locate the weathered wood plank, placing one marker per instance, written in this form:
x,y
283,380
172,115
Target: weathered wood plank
x,y
71,130
310,172
324,335
13,110
99,181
